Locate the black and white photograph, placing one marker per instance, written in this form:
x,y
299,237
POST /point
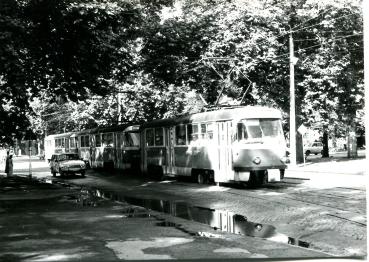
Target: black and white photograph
x,y
194,130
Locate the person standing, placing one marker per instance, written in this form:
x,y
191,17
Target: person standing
x,y
9,164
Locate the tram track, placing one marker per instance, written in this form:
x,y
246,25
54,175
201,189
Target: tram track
x,y
246,193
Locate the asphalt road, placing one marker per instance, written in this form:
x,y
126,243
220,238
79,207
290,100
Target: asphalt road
x,y
329,217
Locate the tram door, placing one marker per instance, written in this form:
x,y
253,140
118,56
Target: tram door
x,y
170,151
224,151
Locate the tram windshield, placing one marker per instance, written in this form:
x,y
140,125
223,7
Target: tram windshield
x,y
259,129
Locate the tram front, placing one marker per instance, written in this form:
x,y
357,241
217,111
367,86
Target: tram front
x,y
260,147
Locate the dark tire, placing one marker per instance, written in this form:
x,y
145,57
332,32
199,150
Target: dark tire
x,y
307,152
83,173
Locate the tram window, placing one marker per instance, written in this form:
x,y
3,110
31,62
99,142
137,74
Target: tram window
x,y
203,131
181,135
193,135
210,131
241,130
107,139
189,133
149,137
72,142
93,142
253,128
159,136
131,139
257,129
85,141
98,140
119,140
271,127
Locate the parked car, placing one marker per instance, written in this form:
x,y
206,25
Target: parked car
x,y
314,148
67,163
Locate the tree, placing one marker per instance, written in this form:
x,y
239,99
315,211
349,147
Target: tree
x,y
76,48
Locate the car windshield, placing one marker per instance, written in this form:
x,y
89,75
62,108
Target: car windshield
x,y
259,129
68,157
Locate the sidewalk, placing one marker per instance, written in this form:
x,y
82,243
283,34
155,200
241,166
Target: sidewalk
x,y
337,170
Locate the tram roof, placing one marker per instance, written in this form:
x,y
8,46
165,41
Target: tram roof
x,y
60,135
236,113
108,129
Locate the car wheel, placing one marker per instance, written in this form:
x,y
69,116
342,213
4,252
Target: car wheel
x,y
307,152
83,174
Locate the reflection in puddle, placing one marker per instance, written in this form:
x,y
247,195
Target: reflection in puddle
x,y
217,219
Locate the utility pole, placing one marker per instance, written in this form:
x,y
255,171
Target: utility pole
x,y
119,113
366,74
292,104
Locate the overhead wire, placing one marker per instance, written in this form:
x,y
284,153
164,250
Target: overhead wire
x,y
309,47
294,30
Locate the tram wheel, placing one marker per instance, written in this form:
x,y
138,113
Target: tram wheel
x,y
156,172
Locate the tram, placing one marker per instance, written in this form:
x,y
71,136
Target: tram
x,y
58,143
104,147
229,145
242,144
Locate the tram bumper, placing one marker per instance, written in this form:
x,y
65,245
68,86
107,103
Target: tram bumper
x,y
249,160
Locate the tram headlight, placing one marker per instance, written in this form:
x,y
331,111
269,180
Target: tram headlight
x,y
257,160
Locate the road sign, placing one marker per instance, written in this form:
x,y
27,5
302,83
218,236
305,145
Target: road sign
x,y
302,130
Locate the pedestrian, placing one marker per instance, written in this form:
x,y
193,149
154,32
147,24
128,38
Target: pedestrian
x,y
9,164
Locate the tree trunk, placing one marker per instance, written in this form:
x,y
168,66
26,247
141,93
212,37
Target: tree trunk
x,y
351,141
325,152
299,149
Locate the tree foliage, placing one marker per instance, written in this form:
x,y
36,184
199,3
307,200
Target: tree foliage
x,y
104,62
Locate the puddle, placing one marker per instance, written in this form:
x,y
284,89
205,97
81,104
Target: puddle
x,y
217,219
